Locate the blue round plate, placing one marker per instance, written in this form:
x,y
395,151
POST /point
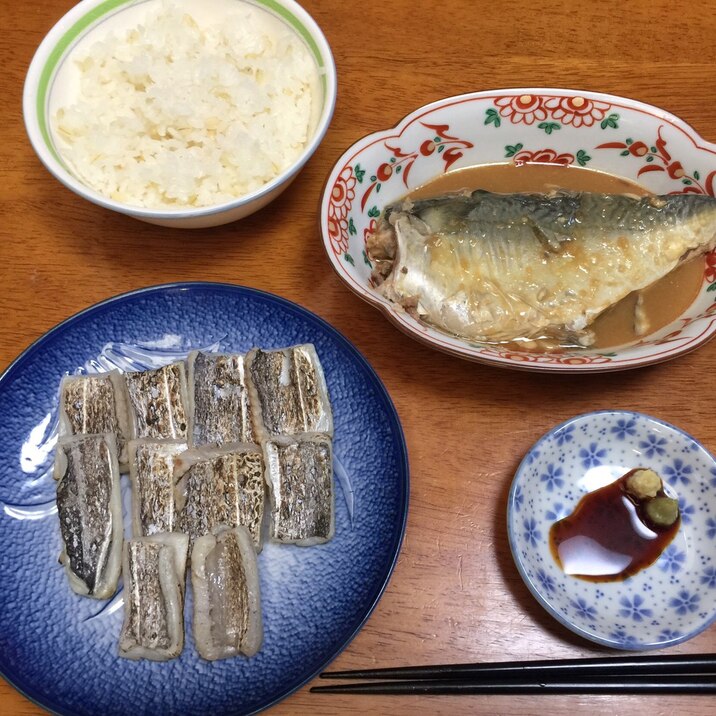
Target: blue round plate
x,y
668,602
60,649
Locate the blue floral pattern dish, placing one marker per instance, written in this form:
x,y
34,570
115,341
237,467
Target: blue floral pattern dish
x,y
61,649
668,602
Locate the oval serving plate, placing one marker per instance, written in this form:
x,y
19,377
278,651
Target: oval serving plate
x,y
664,604
612,134
60,649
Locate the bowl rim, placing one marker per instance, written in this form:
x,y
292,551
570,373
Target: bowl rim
x,y
80,20
464,349
536,594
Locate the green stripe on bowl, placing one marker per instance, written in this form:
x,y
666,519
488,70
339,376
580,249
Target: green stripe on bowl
x,y
296,24
107,7
53,60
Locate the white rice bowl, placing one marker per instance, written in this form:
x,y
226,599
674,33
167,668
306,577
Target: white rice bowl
x,y
182,112
189,113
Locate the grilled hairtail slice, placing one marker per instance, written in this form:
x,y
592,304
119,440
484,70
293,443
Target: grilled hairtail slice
x,y
157,401
300,481
220,486
151,471
219,408
507,267
288,392
154,576
227,606
95,404
89,506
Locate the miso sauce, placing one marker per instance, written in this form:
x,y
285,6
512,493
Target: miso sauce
x,y
608,537
662,302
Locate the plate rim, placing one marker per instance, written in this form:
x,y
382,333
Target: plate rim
x,y
538,596
399,528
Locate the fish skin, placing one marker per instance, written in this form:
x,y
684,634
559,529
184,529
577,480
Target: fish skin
x,y
288,392
154,574
89,508
219,399
228,587
146,621
157,402
151,470
300,480
504,267
88,404
200,501
95,404
244,490
220,486
227,595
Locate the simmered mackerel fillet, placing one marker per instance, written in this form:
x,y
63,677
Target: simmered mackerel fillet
x,y
157,403
288,392
219,407
300,481
95,405
227,607
151,470
510,267
218,486
89,505
154,575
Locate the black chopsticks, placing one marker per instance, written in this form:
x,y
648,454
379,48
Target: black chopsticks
x,y
681,674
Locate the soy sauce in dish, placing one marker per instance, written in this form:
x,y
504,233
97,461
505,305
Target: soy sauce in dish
x,y
661,303
609,536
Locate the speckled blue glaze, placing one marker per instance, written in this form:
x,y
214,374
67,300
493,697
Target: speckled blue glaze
x,y
61,649
668,602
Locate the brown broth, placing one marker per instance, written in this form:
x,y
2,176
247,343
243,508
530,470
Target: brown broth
x,y
512,178
608,537
662,302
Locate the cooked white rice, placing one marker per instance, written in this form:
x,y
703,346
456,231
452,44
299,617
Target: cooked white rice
x,y
174,113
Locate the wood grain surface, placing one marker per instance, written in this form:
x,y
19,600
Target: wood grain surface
x,y
455,594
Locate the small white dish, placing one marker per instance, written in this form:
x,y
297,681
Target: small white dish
x,y
611,134
664,604
42,89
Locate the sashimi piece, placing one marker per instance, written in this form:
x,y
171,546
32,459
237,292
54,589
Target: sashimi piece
x,y
95,404
300,481
227,606
154,571
158,403
221,486
151,471
288,392
219,408
89,506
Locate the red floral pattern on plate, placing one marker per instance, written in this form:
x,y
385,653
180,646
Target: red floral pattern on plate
x,y
710,272
577,111
543,156
370,229
342,196
657,158
448,147
527,108
546,358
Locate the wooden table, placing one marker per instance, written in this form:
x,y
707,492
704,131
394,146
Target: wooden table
x,y
455,594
